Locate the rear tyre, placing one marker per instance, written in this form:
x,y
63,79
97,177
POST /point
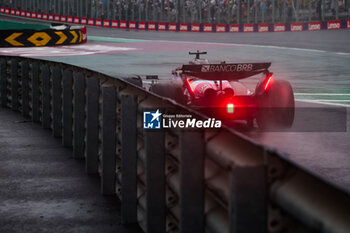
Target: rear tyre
x,y
276,106
172,90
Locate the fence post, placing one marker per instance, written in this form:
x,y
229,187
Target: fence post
x,y
239,7
155,181
296,10
248,12
323,9
46,97
146,15
127,11
88,8
57,101
310,10
80,8
79,115
139,11
284,12
248,200
263,11
92,129
35,92
3,82
14,85
108,140
67,106
273,11
192,182
336,9
108,10
183,11
25,87
200,12
162,11
129,158
255,11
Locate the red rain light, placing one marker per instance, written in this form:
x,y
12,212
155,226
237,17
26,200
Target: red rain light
x,y
230,108
267,85
189,85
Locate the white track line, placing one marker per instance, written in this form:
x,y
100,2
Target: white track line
x,y
343,53
323,94
318,100
325,103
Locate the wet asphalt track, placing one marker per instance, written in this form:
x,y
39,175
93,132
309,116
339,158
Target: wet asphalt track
x,y
316,63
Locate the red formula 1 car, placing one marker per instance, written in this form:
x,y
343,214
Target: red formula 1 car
x,y
216,90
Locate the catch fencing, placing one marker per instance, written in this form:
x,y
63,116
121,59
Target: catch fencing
x,y
182,27
169,180
192,11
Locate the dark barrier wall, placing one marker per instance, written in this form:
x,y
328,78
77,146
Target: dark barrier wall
x,y
34,38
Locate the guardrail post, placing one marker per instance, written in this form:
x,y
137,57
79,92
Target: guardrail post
x,y
14,85
108,175
25,88
46,97
92,130
248,200
35,93
3,82
129,158
155,181
67,104
57,101
79,115
192,182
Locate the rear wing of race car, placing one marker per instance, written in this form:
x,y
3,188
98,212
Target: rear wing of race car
x,y
225,71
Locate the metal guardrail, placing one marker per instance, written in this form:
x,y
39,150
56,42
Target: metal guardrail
x,y
169,181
